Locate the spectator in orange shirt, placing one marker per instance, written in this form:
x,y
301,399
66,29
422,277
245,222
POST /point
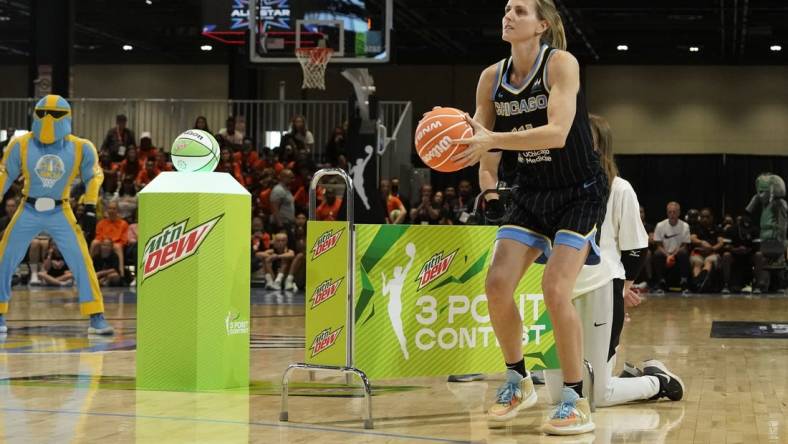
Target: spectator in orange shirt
x,y
131,165
395,210
247,157
148,174
261,242
146,150
329,209
114,228
111,175
227,165
265,200
270,159
301,197
162,161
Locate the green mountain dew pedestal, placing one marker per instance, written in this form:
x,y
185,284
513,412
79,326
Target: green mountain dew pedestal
x,y
193,283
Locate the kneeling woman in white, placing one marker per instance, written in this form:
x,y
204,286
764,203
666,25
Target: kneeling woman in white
x,y
599,295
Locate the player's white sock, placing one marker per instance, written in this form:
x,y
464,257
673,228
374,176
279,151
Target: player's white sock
x,y
34,274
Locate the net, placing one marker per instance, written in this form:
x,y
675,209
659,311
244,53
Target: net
x,y
313,62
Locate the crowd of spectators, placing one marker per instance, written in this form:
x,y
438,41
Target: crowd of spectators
x,y
697,254
277,177
690,254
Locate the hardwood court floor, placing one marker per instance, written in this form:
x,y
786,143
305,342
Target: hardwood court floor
x,y
58,385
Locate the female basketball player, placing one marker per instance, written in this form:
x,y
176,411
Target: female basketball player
x,y
601,291
531,103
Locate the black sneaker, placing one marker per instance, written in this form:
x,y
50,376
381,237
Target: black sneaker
x,y
670,385
630,371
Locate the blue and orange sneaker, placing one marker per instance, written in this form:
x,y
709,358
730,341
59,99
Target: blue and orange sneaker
x,y
515,394
571,417
99,325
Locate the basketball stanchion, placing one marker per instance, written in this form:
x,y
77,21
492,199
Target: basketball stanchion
x,y
347,369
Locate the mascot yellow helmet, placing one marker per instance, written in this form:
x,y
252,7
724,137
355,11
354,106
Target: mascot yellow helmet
x,y
51,119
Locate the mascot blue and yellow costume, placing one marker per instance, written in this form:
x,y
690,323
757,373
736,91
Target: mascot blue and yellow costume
x,y
50,158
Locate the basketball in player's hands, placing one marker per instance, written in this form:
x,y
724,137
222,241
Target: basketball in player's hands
x,y
434,134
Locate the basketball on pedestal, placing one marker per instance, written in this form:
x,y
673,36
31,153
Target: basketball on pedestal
x,y
434,134
195,150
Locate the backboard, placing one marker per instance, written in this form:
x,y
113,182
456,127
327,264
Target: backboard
x,y
358,31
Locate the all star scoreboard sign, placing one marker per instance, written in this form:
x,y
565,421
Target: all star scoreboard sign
x,y
419,306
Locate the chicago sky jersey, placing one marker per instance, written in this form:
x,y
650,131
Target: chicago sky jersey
x,y
519,109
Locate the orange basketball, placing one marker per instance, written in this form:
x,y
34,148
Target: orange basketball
x,y
434,135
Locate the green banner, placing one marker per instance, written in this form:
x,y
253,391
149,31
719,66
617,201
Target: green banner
x,y
420,308
326,290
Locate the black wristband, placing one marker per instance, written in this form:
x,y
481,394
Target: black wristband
x,y
633,261
90,209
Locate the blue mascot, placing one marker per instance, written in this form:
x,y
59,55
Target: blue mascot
x,y
50,158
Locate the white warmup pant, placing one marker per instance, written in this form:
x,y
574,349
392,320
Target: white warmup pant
x,y
596,316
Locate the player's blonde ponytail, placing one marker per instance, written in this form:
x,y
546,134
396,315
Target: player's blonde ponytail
x,y
603,138
555,35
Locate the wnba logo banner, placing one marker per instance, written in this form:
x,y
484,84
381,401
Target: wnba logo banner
x,y
327,290
433,319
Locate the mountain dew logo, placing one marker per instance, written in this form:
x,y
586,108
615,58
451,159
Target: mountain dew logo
x,y
434,268
325,340
173,245
325,291
326,242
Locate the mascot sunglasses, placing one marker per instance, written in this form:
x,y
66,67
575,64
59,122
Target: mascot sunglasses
x,y
56,114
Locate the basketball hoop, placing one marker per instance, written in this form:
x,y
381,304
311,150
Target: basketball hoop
x,y
313,62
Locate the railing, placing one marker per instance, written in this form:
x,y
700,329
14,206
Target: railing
x,y
166,118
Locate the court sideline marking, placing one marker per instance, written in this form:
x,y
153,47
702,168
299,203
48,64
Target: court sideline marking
x,y
253,423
